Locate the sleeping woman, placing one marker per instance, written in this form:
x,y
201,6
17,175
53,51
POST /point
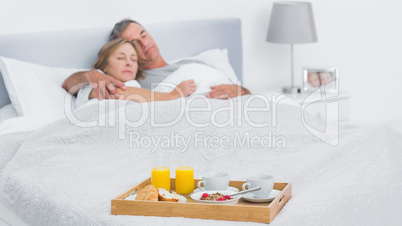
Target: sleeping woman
x,y
118,59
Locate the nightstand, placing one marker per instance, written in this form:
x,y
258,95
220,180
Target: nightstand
x,y
334,106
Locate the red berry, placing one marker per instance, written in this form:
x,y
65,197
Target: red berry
x,y
204,195
226,197
221,199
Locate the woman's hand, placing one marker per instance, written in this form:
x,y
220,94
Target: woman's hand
x,y
184,89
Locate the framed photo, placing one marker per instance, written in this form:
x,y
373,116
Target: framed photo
x,y
314,78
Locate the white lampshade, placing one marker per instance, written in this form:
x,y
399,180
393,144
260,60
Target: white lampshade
x,y
292,22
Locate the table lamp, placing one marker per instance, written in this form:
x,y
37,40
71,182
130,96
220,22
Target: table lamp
x,y
292,22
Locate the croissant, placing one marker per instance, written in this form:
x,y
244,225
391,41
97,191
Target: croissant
x,y
149,193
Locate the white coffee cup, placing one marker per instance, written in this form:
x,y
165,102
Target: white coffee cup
x,y
214,181
266,182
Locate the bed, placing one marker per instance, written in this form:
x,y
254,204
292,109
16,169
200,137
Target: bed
x,y
65,170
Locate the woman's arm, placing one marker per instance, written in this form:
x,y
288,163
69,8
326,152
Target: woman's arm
x,y
184,89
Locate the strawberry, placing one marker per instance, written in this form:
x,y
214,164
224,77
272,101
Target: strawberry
x,y
226,197
221,199
204,195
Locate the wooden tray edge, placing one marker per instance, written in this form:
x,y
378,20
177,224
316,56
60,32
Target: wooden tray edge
x,y
261,214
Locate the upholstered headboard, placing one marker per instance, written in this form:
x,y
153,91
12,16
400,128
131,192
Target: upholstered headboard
x,y
79,48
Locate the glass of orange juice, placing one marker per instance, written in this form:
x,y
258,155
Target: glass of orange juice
x,y
184,180
160,177
160,174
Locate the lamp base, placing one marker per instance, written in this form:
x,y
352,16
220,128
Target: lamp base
x,y
291,89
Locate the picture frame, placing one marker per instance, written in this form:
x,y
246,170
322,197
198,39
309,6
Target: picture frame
x,y
315,78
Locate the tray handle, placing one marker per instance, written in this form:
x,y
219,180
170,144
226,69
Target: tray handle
x,y
133,192
282,198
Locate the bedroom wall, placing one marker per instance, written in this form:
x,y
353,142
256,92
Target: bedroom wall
x,y
361,37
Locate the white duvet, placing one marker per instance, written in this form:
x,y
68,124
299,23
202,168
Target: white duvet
x,y
64,174
204,77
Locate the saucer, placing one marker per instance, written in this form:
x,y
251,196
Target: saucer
x,y
250,197
233,189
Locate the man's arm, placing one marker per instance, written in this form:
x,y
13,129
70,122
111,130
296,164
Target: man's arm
x,y
77,79
226,91
135,94
104,85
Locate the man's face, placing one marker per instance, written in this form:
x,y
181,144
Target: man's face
x,y
148,50
325,77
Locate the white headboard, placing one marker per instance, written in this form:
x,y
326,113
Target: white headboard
x,y
79,48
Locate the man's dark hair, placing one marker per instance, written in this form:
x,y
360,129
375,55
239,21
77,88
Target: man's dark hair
x,y
120,27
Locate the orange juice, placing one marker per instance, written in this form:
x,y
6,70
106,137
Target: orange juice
x,y
160,177
184,180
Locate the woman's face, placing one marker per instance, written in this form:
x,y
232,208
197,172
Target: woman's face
x,y
122,64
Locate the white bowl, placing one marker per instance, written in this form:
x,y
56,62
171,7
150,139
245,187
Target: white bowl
x,y
197,198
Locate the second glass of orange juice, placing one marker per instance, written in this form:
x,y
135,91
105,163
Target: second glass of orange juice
x,y
184,180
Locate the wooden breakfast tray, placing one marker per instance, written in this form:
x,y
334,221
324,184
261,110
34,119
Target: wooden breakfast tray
x,y
243,211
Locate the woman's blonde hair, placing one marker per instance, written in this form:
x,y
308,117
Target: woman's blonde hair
x,y
108,49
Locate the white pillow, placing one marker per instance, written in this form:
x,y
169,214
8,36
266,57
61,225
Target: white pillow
x,y
203,76
35,89
218,59
6,112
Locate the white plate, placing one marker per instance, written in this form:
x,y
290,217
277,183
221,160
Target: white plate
x,y
197,196
132,197
250,197
233,189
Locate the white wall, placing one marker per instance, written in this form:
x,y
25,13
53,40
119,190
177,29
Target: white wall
x,y
362,37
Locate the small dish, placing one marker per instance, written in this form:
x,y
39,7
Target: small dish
x,y
250,197
233,189
197,198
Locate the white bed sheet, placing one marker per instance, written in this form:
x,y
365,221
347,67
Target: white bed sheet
x,y
24,123
9,218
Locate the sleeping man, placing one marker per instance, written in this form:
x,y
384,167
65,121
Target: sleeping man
x,y
155,67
